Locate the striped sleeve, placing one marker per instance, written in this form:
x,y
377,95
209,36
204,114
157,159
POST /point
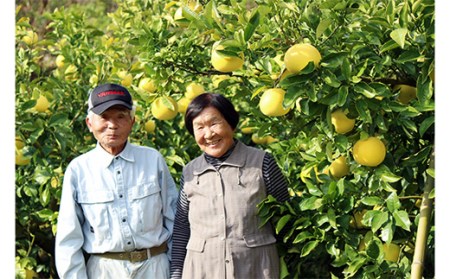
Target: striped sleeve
x,y
276,183
181,234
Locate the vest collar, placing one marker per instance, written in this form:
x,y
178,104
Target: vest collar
x,y
236,159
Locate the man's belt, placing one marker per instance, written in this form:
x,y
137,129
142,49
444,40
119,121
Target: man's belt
x,y
136,255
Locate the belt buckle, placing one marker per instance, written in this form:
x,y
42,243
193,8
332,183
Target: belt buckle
x,y
137,256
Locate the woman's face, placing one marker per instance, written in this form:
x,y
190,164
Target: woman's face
x,y
212,132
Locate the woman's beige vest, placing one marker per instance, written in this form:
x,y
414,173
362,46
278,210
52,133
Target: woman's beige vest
x,y
226,239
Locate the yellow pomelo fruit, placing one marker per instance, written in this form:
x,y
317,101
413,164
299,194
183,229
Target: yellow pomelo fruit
x,y
21,160
248,130
406,93
60,61
342,124
150,126
126,77
30,38
218,79
369,152
93,79
54,182
30,274
223,63
339,167
271,139
42,104
147,84
358,218
259,140
19,143
391,252
183,104
271,102
298,56
193,90
361,245
163,111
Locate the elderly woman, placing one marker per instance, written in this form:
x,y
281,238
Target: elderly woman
x,y
217,231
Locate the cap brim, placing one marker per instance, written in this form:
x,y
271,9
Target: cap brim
x,y
103,107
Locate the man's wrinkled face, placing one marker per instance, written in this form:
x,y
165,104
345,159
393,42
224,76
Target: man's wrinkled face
x,y
111,128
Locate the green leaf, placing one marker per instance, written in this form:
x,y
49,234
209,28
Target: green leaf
x,y
427,123
282,222
311,203
251,26
331,79
372,200
373,250
402,219
378,218
424,89
430,172
408,56
346,68
404,15
399,35
323,25
42,176
363,111
331,216
389,45
390,177
392,202
419,157
310,246
354,266
365,89
305,235
387,232
342,95
45,196
284,272
45,213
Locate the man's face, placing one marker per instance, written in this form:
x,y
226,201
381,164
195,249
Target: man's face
x,y
111,128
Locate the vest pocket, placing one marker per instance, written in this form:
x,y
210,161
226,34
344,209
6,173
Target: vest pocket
x,y
196,244
260,239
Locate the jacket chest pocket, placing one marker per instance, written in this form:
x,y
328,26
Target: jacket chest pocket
x,y
96,207
145,206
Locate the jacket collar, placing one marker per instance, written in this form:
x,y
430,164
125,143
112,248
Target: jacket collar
x,y
104,158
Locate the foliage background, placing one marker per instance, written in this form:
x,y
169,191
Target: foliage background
x,y
50,159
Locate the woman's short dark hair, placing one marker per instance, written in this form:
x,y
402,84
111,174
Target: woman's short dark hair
x,y
217,101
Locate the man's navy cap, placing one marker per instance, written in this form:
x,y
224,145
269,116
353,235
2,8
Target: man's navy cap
x,y
107,95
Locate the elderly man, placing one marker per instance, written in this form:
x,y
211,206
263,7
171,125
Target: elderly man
x,y
118,200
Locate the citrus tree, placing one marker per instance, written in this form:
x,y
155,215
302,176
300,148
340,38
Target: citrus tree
x,y
340,92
